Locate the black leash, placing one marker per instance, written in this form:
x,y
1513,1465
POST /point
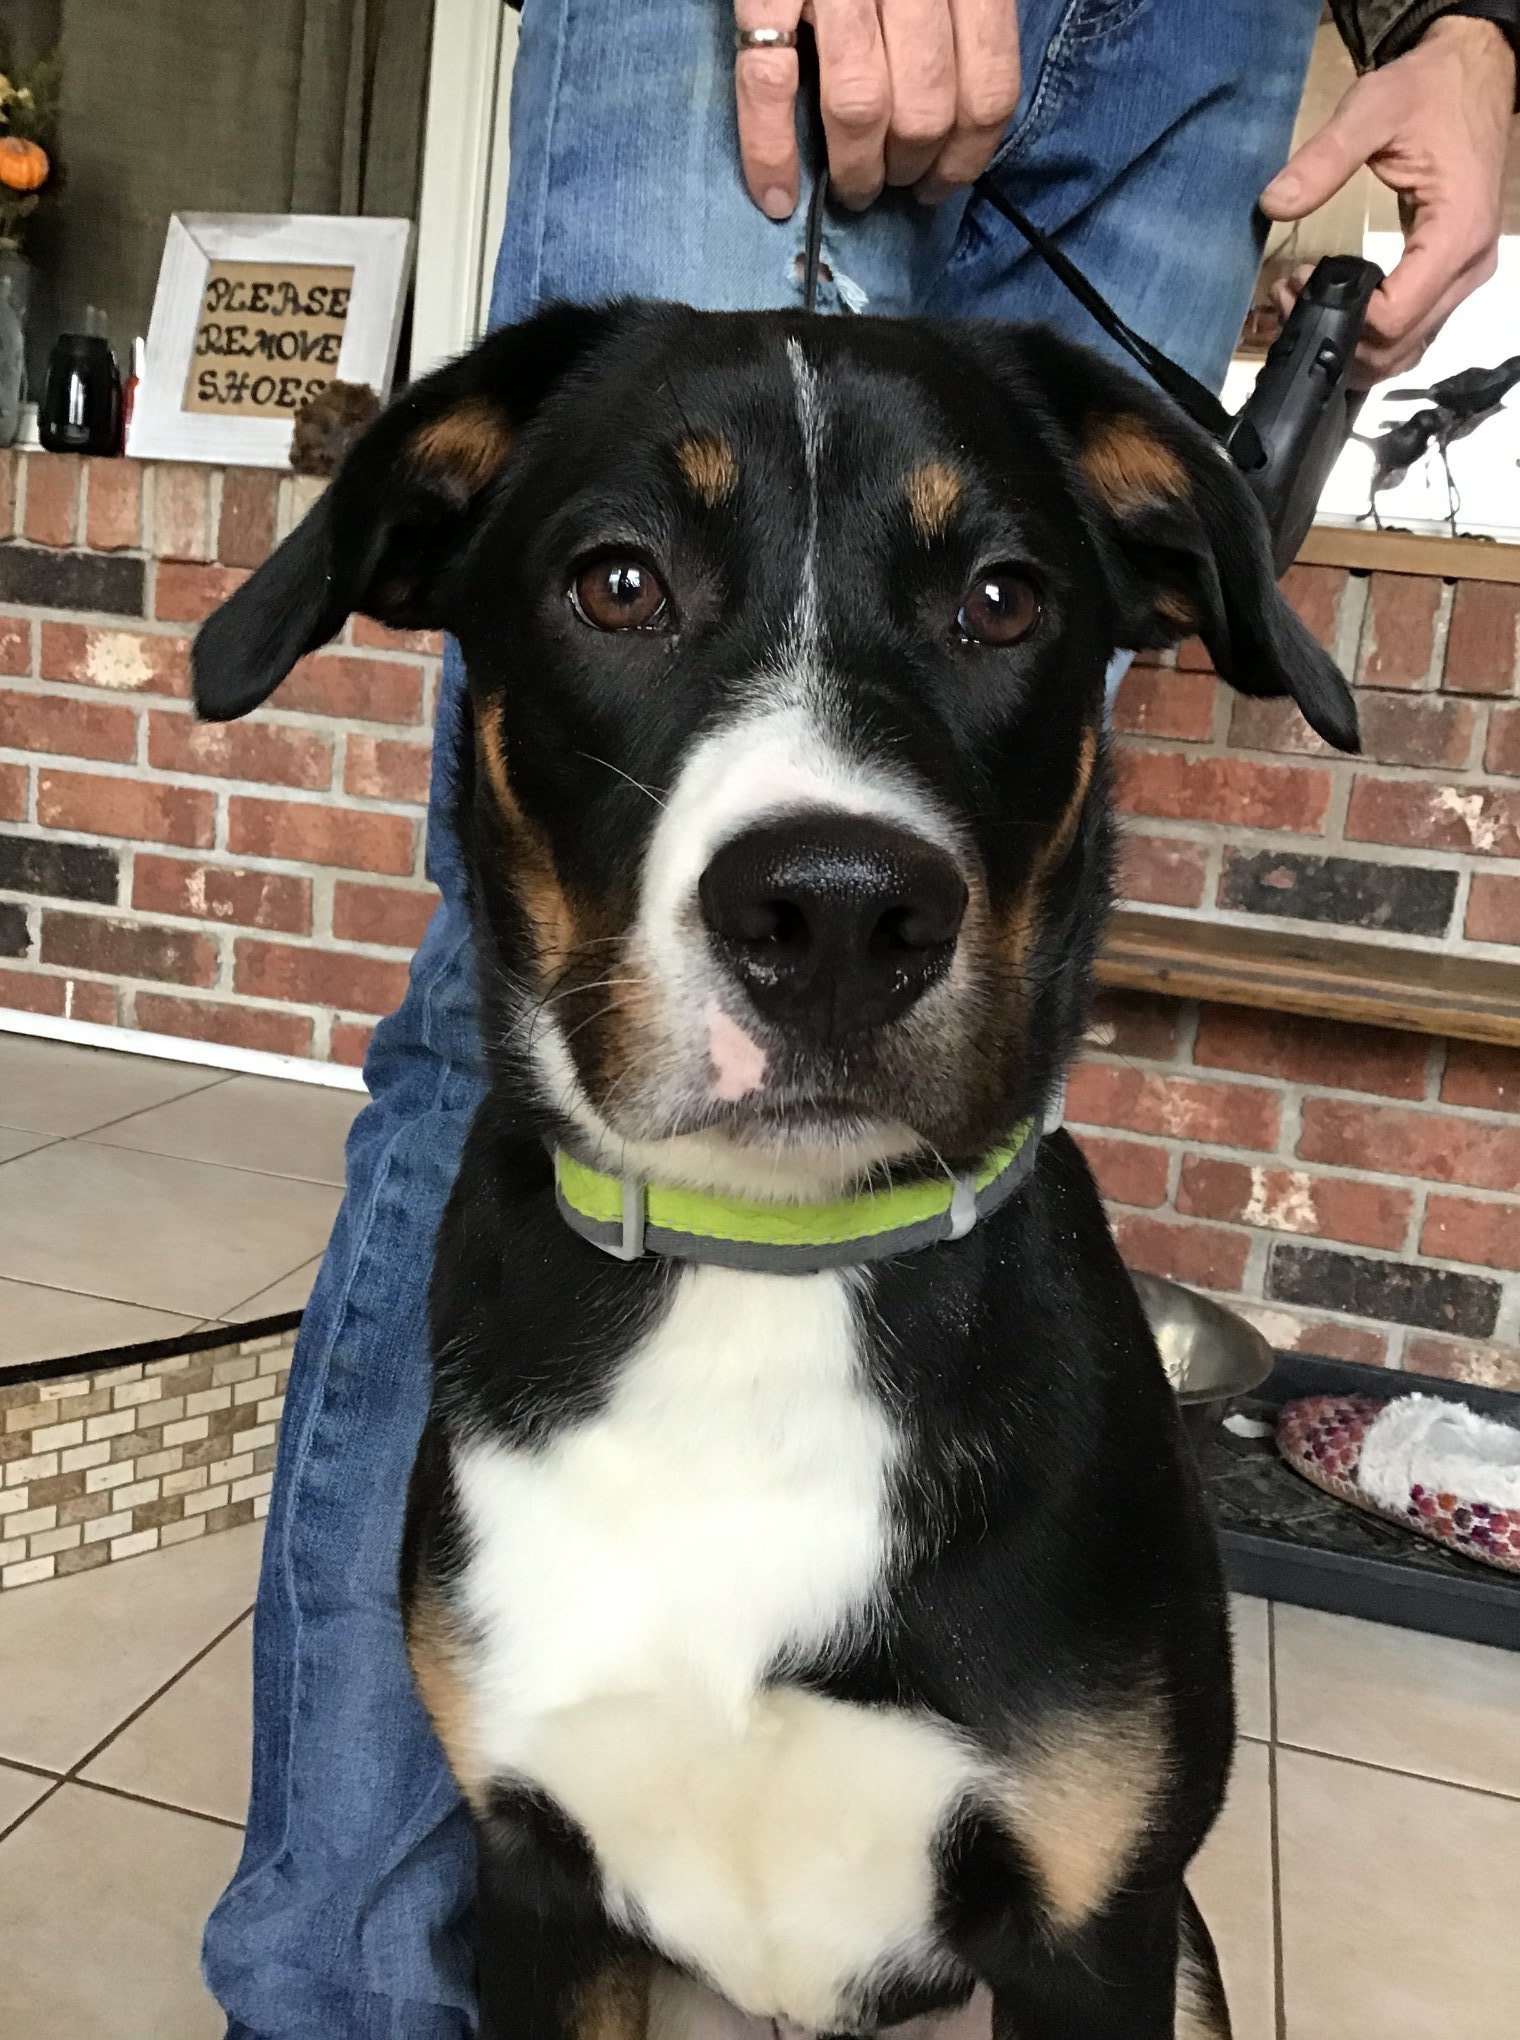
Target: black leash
x,y
1200,404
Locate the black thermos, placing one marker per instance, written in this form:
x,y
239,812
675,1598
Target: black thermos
x,y
80,410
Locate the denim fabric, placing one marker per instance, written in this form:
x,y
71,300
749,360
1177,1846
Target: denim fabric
x,y
1145,130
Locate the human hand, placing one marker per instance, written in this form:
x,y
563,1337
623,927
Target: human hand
x,y
914,92
1434,126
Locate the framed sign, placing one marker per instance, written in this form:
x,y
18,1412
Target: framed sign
x,y
254,313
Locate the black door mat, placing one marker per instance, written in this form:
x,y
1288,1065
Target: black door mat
x,y
1287,1541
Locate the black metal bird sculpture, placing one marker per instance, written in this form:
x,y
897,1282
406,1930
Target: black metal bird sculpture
x,y
1454,407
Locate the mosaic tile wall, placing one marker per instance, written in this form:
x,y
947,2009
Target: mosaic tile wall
x,y
97,1467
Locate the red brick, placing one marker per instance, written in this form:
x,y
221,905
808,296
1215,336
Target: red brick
x,y
1398,643
1155,701
128,949
1493,908
236,1024
1193,656
387,915
26,991
361,690
378,637
181,512
1135,1024
52,498
188,593
15,645
1306,1051
1315,592
1331,1338
70,998
1503,753
1439,1147
1128,1171
1185,1108
81,729
113,505
1263,725
381,768
1481,819
1293,1201
1484,638
1164,871
145,813
249,750
311,832
1483,1074
245,537
1416,729
1463,1229
350,1042
1485,1366
318,977
1242,792
8,462
209,892
12,793
1205,1256
123,661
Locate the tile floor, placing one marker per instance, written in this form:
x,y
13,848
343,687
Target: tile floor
x,y
1361,1884
140,1198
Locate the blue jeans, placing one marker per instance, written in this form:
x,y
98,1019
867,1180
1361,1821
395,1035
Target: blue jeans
x,y
1145,131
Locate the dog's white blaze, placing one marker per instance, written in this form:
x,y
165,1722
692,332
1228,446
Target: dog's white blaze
x,y
634,1583
809,402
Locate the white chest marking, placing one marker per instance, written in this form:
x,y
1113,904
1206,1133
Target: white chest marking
x,y
633,1584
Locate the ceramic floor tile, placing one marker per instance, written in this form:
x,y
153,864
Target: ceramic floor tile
x,y
1398,1905
1249,1625
153,1229
1232,1881
193,1747
18,1791
1398,1697
51,1324
77,1656
262,1123
14,1142
289,1293
102,1902
53,1087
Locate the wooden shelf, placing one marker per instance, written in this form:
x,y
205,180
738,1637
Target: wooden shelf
x,y
1410,552
1331,977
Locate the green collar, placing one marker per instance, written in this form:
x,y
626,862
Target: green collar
x,y
629,1219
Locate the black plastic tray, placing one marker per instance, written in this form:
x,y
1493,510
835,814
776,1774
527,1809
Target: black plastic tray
x,y
1287,1541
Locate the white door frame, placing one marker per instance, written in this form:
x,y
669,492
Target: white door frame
x,y
464,175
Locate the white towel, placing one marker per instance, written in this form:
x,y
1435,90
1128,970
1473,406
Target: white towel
x,y
1443,1447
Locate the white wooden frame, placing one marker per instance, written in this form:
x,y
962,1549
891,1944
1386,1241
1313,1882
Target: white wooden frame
x,y
464,176
380,252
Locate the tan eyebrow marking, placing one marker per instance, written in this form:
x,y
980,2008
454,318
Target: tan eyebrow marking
x,y
711,468
934,496
466,446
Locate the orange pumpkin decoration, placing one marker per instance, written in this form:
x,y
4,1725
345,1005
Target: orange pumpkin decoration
x,y
24,165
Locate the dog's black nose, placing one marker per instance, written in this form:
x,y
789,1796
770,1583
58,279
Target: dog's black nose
x,y
832,924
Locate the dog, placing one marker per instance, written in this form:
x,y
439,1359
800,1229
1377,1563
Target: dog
x,y
804,1570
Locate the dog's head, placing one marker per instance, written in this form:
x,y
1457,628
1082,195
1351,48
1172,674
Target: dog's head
x,y
786,643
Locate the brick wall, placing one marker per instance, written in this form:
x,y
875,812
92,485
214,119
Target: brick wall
x,y
255,883
1358,1188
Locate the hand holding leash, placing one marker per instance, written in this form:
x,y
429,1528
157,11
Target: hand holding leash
x,y
913,92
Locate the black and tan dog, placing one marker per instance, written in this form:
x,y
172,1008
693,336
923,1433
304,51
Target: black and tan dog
x,y
830,1642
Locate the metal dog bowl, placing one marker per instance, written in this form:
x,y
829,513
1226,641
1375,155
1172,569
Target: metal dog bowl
x,y
1211,1355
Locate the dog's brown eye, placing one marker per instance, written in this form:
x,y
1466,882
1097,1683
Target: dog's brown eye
x,y
614,594
1000,609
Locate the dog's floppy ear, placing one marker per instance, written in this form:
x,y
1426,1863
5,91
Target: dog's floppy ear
x,y
396,512
1188,544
